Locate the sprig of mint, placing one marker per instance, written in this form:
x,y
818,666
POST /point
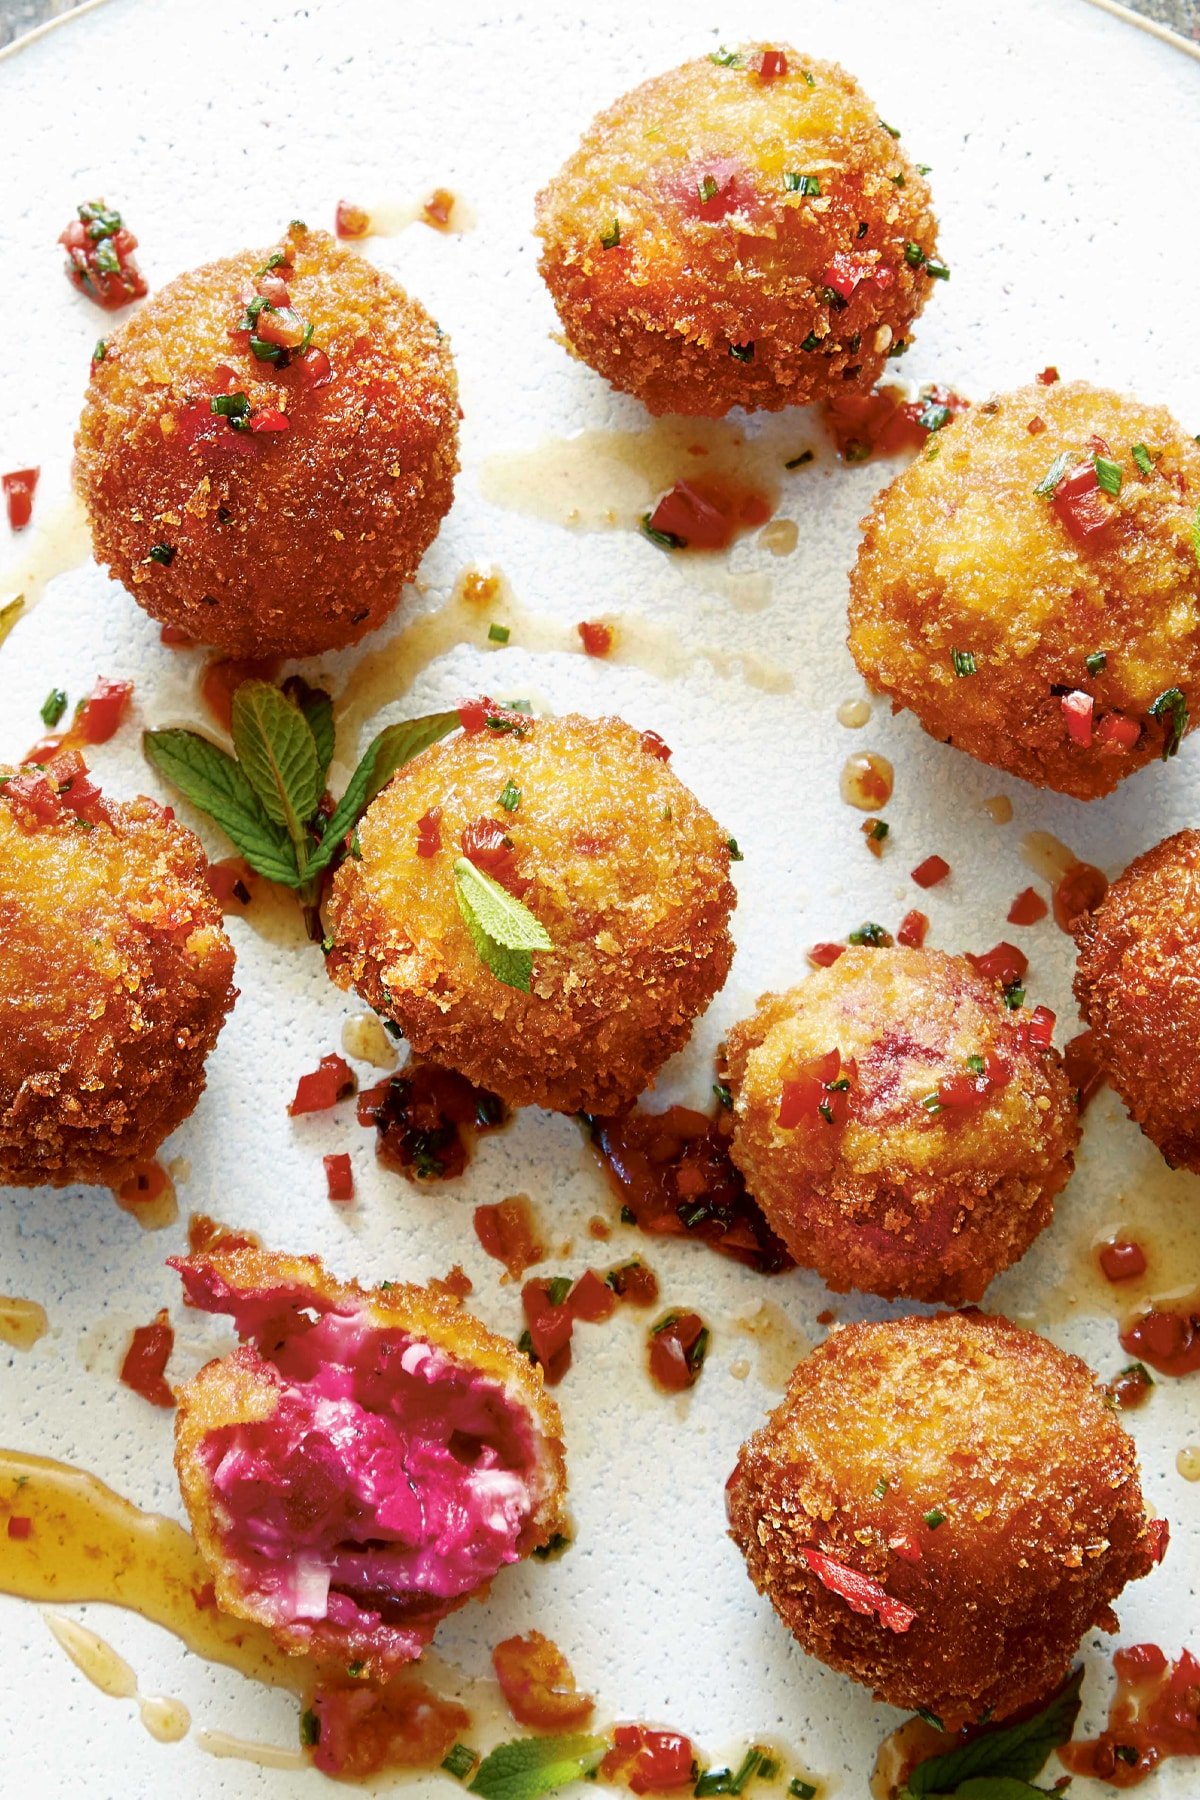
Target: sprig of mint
x,y
1000,1764
267,796
530,1766
503,931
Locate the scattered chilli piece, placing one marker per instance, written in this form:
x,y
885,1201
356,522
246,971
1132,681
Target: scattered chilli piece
x,y
653,745
773,66
509,1232
438,209
1078,890
146,1359
1077,716
1036,425
1168,1341
651,1762
332,1080
703,515
18,487
596,638
483,714
538,1686
823,956
1130,1389
486,843
885,421
927,874
1027,908
633,1282
1048,376
1083,1068
100,259
1077,505
821,1089
1114,731
1038,1028
674,1177
96,720
1122,1261
41,796
677,1346
1003,963
19,1528
339,1177
912,932
1153,1715
905,1547
423,1115
356,1729
860,1592
429,832
591,1299
549,1324
229,881
350,221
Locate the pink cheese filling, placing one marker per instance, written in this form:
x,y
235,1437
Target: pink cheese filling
x,y
389,1481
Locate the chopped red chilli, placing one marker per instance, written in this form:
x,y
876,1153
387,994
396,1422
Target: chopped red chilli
x,y
774,65
1038,1028
18,487
652,1762
19,1528
1077,504
1123,1261
350,221
860,1592
913,929
819,1090
1077,714
429,832
823,956
928,873
146,1360
339,1177
486,843
549,1322
1048,376
332,1080
100,259
1028,908
653,745
596,638
1118,731
1003,963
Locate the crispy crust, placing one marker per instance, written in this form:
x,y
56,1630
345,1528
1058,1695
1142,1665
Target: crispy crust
x,y
286,543
635,903
115,980
960,553
1003,1433
241,1388
657,313
1138,988
900,1201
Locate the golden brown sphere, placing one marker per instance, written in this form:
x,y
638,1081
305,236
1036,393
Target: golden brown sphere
x,y
601,842
1138,986
115,979
728,235
291,529
903,1131
941,1508
1054,634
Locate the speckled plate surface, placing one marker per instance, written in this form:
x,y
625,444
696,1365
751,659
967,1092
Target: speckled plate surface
x,y
1064,145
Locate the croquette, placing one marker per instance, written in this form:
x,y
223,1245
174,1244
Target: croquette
x,y
941,1508
741,231
268,447
115,977
583,821
1030,588
364,1462
1137,986
903,1130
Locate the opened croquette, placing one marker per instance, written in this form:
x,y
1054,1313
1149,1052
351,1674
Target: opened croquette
x,y
115,977
268,447
583,821
741,231
902,1128
1032,592
941,1508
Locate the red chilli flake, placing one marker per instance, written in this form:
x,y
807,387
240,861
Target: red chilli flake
x,y
146,1359
1123,1261
1027,908
550,1327
429,832
1003,963
350,221
18,488
1116,730
913,930
1077,715
103,710
823,956
774,65
661,1760
1076,503
596,638
928,873
860,1592
19,1528
486,843
653,745
1038,1028
332,1080
1036,425
1048,376
339,1177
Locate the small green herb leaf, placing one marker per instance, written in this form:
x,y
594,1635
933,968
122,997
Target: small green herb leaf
x,y
1171,705
530,1766
807,186
963,661
278,754
1143,460
1010,1753
503,931
1096,663
611,238
510,796
666,540
310,1728
317,708
53,707
395,745
1054,474
726,59
1108,474
498,634
211,779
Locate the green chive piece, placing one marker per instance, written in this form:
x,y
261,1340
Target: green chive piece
x,y
53,707
510,796
1108,474
914,256
930,1718
897,349
101,350
932,1103
976,1065
726,59
933,1518
963,661
310,1728
807,186
798,462
809,78
611,238
230,406
742,352
1014,996
459,1761
879,830
1053,475
162,553
666,540
871,934
1142,459
735,855
1171,705
801,1790
880,1488
890,129
937,271
1096,663
707,188
811,342
723,1093
498,634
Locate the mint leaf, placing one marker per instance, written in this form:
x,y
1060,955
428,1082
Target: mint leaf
x,y
504,932
210,778
394,746
317,708
531,1766
1013,1753
998,1787
278,753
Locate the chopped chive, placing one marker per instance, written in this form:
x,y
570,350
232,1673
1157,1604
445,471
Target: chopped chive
x,y
933,415
628,1216
801,1790
459,1761
510,796
890,129
107,260
914,256
933,1518
310,1728
498,634
707,188
811,342
742,352
930,1718
611,238
809,78
53,707
898,348
552,1547
557,1289
768,1769
666,540
1014,996
525,1346
807,186
726,59
877,830
936,271
896,180
723,1093
356,1668
798,462
1142,459
230,406
932,1103
924,168
1096,663
735,855
667,1319
880,1488
162,553
871,934
1108,474
1172,705
975,1064
269,353
963,661
1053,475
101,350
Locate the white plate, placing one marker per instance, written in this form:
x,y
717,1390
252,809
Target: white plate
x,y
1064,145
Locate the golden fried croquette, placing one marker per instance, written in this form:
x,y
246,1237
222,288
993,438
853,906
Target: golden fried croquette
x,y
1138,986
941,1507
1021,609
115,977
621,865
903,1131
364,1462
271,507
737,233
